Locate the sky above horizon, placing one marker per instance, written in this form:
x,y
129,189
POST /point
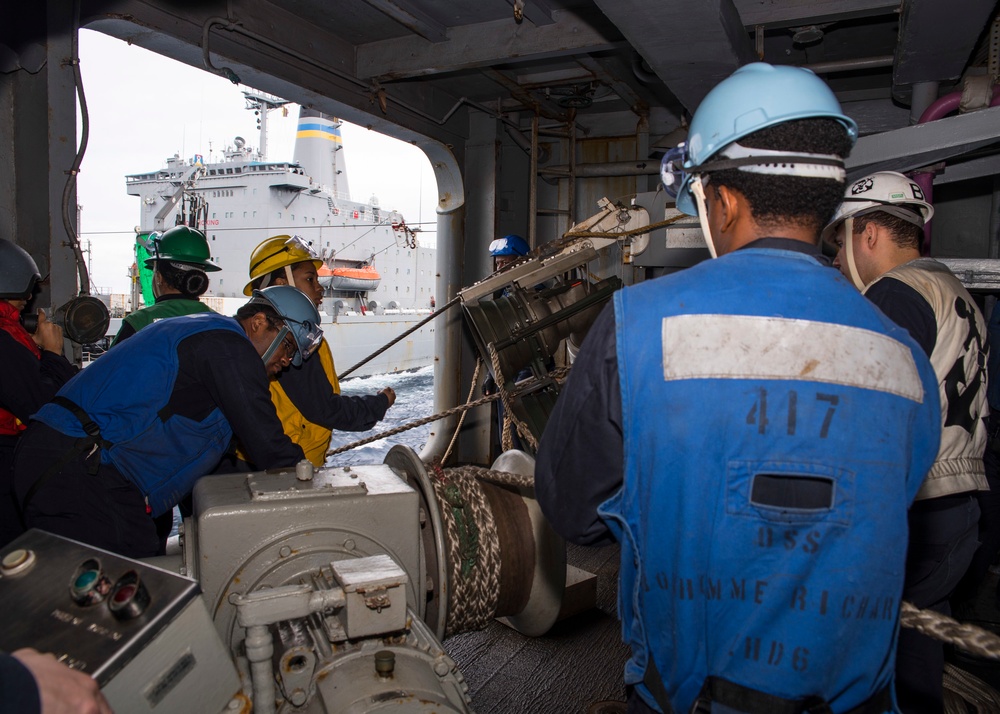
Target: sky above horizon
x,y
144,108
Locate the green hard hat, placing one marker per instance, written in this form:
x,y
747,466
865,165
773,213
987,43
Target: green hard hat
x,y
184,245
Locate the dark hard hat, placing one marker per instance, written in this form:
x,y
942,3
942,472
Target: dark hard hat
x,y
18,271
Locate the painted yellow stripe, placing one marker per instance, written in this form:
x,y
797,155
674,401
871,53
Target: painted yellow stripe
x,y
313,134
755,347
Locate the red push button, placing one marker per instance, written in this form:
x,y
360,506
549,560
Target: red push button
x,y
129,598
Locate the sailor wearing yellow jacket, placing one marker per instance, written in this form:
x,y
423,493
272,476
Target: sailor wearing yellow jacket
x,y
308,398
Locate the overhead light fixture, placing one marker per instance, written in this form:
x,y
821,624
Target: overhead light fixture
x,y
807,34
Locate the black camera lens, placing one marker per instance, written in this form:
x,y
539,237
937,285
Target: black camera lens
x,y
30,323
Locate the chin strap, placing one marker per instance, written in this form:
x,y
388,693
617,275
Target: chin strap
x,y
266,357
852,266
698,189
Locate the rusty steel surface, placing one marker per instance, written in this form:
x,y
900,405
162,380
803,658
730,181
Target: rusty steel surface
x,y
577,664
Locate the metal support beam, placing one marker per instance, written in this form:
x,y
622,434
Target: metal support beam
x,y
913,147
965,170
484,44
39,142
623,89
975,273
412,18
450,278
607,169
289,68
691,46
936,38
533,184
788,13
571,183
547,109
642,151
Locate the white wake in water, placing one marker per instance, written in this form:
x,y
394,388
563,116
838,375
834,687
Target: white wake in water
x,y
414,400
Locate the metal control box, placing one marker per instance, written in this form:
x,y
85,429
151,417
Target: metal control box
x,y
374,593
267,529
142,633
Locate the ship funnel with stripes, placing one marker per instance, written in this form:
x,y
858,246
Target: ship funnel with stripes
x,y
318,151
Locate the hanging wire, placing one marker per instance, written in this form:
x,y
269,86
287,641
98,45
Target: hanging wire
x,y
74,170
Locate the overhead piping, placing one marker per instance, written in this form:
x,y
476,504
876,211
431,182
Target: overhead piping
x,y
850,65
925,179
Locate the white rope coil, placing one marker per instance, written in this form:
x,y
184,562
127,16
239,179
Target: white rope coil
x,y
473,550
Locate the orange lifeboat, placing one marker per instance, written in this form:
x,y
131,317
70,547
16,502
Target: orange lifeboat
x,y
350,279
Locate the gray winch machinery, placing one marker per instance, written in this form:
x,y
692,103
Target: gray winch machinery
x,y
303,590
525,315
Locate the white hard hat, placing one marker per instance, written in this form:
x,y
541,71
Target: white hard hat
x,y
885,191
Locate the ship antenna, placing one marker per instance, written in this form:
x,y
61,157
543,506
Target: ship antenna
x,y
261,103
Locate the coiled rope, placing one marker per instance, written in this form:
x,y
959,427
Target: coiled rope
x,y
472,542
473,550
961,687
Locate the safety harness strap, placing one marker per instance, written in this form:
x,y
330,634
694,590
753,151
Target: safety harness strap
x,y
93,443
753,701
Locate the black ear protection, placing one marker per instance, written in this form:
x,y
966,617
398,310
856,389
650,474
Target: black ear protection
x,y
194,283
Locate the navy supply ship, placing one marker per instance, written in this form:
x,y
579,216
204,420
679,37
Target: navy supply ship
x,y
378,277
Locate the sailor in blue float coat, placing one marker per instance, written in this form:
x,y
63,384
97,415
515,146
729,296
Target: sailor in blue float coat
x,y
126,438
760,433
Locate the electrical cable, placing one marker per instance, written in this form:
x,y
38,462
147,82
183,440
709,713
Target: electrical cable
x,y
74,170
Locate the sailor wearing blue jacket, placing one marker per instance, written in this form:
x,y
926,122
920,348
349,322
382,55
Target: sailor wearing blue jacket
x,y
762,432
128,437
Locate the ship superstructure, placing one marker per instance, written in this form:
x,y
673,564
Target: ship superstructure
x,y
246,198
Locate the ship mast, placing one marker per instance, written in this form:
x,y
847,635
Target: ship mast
x,y
261,103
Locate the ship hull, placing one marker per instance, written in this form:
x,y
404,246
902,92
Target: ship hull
x,y
354,337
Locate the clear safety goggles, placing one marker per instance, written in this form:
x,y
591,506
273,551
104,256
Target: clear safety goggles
x,y
149,242
293,243
672,174
309,336
302,244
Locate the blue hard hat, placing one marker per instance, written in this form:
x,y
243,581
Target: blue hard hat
x,y
299,314
754,97
509,245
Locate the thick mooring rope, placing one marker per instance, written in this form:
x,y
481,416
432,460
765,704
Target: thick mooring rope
x,y
414,424
473,550
974,640
472,542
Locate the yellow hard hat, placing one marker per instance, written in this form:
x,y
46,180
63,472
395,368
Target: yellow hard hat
x,y
277,252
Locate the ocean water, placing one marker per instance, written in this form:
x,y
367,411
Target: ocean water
x,y
414,400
